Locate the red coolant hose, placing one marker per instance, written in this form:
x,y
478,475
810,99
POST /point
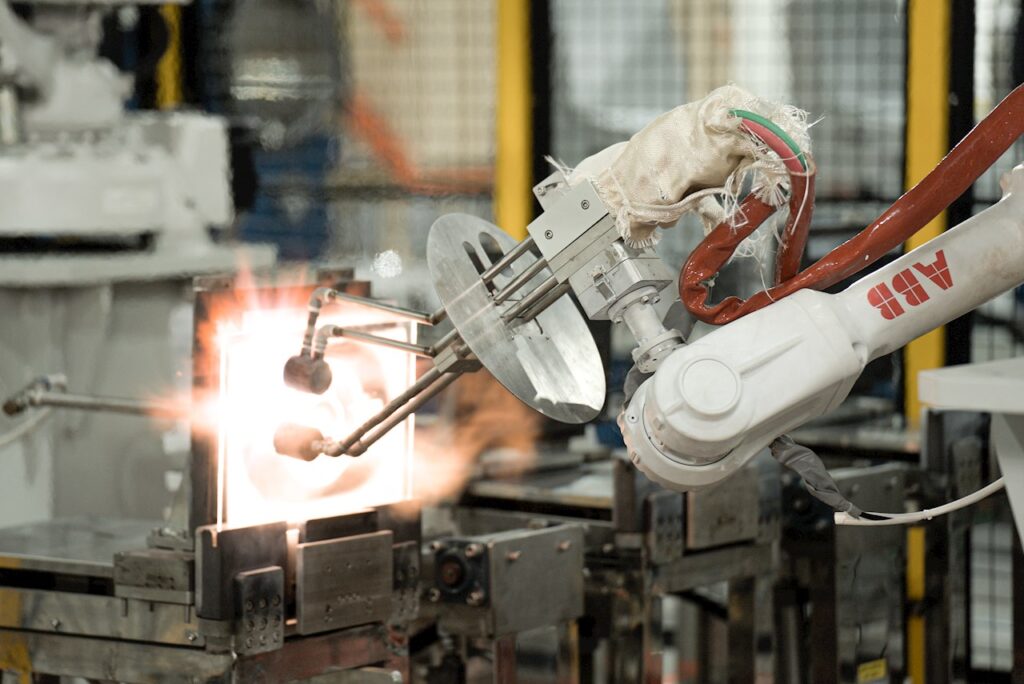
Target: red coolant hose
x,y
947,181
720,243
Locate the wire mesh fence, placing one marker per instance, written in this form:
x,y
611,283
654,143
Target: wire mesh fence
x,y
998,327
618,65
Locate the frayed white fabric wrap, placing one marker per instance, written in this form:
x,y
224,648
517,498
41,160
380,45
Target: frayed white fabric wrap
x,y
687,158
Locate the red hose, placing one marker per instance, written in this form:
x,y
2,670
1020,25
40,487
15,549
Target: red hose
x,y
951,178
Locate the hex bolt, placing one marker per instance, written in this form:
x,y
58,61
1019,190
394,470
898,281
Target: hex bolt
x,y
55,623
475,598
436,546
513,555
564,545
434,595
191,636
473,550
548,234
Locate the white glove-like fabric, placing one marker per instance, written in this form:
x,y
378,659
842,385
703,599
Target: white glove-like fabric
x,y
685,157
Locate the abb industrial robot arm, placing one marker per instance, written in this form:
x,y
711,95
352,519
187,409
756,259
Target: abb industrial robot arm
x,y
711,405
784,356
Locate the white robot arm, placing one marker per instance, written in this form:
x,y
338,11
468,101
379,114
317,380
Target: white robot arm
x,y
787,355
713,404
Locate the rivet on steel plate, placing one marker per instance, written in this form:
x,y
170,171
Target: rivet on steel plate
x,y
475,598
55,623
564,545
191,636
434,595
513,555
473,550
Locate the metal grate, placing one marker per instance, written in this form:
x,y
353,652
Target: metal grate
x,y
370,118
996,73
991,588
417,127
619,65
998,327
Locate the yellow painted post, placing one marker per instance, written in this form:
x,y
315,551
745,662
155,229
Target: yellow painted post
x,y
928,66
513,176
928,50
169,91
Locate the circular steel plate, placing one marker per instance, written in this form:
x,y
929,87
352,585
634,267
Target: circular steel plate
x,y
550,363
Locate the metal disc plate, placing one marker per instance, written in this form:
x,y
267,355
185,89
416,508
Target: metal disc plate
x,y
550,363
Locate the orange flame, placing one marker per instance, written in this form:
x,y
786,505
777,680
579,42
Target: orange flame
x,y
248,334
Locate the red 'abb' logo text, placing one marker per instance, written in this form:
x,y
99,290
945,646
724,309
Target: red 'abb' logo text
x,y
907,284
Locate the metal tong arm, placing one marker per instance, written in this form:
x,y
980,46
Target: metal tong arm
x,y
308,443
50,390
324,295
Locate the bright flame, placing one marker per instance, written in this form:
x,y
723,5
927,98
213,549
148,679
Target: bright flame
x,y
257,485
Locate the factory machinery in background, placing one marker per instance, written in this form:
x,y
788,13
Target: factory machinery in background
x,y
330,569
108,212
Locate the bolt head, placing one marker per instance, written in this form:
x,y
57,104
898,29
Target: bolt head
x,y
585,204
548,234
475,598
434,595
473,550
